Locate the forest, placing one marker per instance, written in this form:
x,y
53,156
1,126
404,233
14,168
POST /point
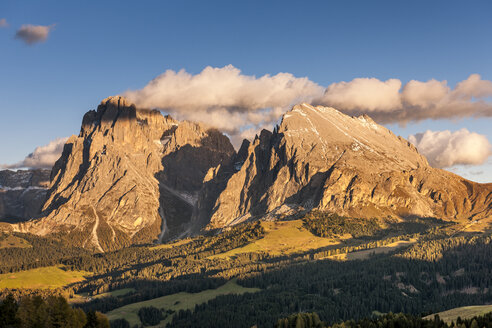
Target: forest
x,y
438,269
390,320
51,312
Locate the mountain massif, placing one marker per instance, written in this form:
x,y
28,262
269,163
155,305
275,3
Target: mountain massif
x,y
135,176
130,176
319,158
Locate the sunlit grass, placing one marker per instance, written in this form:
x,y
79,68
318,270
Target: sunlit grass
x,y
464,312
42,278
176,302
282,238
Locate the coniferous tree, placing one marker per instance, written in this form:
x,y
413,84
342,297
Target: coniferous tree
x,y
8,313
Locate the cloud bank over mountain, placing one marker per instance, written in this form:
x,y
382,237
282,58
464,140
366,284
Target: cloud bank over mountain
x,y
389,102
227,98
241,105
445,148
42,157
224,98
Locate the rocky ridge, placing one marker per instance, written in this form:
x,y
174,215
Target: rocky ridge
x,y
319,158
136,176
130,176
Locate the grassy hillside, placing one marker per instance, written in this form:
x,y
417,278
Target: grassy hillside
x,y
464,312
282,238
41,278
11,241
83,297
176,302
171,245
365,254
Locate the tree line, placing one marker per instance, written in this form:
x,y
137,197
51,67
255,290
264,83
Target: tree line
x,y
52,312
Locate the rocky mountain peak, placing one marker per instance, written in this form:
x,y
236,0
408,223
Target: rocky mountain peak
x,y
132,175
320,158
135,176
355,141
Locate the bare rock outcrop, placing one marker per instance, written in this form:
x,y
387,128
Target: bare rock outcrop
x,y
130,176
319,158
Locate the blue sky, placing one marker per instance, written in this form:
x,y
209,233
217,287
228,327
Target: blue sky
x,y
101,48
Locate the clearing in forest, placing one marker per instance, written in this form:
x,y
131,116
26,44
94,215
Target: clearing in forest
x,y
365,254
282,238
176,302
11,241
42,278
465,312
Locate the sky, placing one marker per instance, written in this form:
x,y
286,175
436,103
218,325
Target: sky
x,y
59,59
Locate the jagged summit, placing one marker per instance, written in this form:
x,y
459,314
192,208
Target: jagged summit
x,y
335,137
320,158
134,175
130,176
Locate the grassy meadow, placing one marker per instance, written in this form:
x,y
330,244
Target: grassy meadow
x,y
282,238
41,278
176,302
464,312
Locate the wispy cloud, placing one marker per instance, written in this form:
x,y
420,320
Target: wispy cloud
x,y
42,157
3,23
445,148
31,34
242,104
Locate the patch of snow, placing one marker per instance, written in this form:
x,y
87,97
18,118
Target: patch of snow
x,y
165,140
191,199
364,122
21,188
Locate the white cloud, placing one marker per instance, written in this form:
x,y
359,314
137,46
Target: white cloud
x,y
387,103
3,22
241,104
424,94
225,98
42,157
31,34
366,94
445,148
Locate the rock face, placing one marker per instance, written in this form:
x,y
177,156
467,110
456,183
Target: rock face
x,y
319,158
135,176
22,194
130,176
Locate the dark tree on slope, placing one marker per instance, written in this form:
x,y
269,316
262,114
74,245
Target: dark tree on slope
x,y
150,316
119,323
8,312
